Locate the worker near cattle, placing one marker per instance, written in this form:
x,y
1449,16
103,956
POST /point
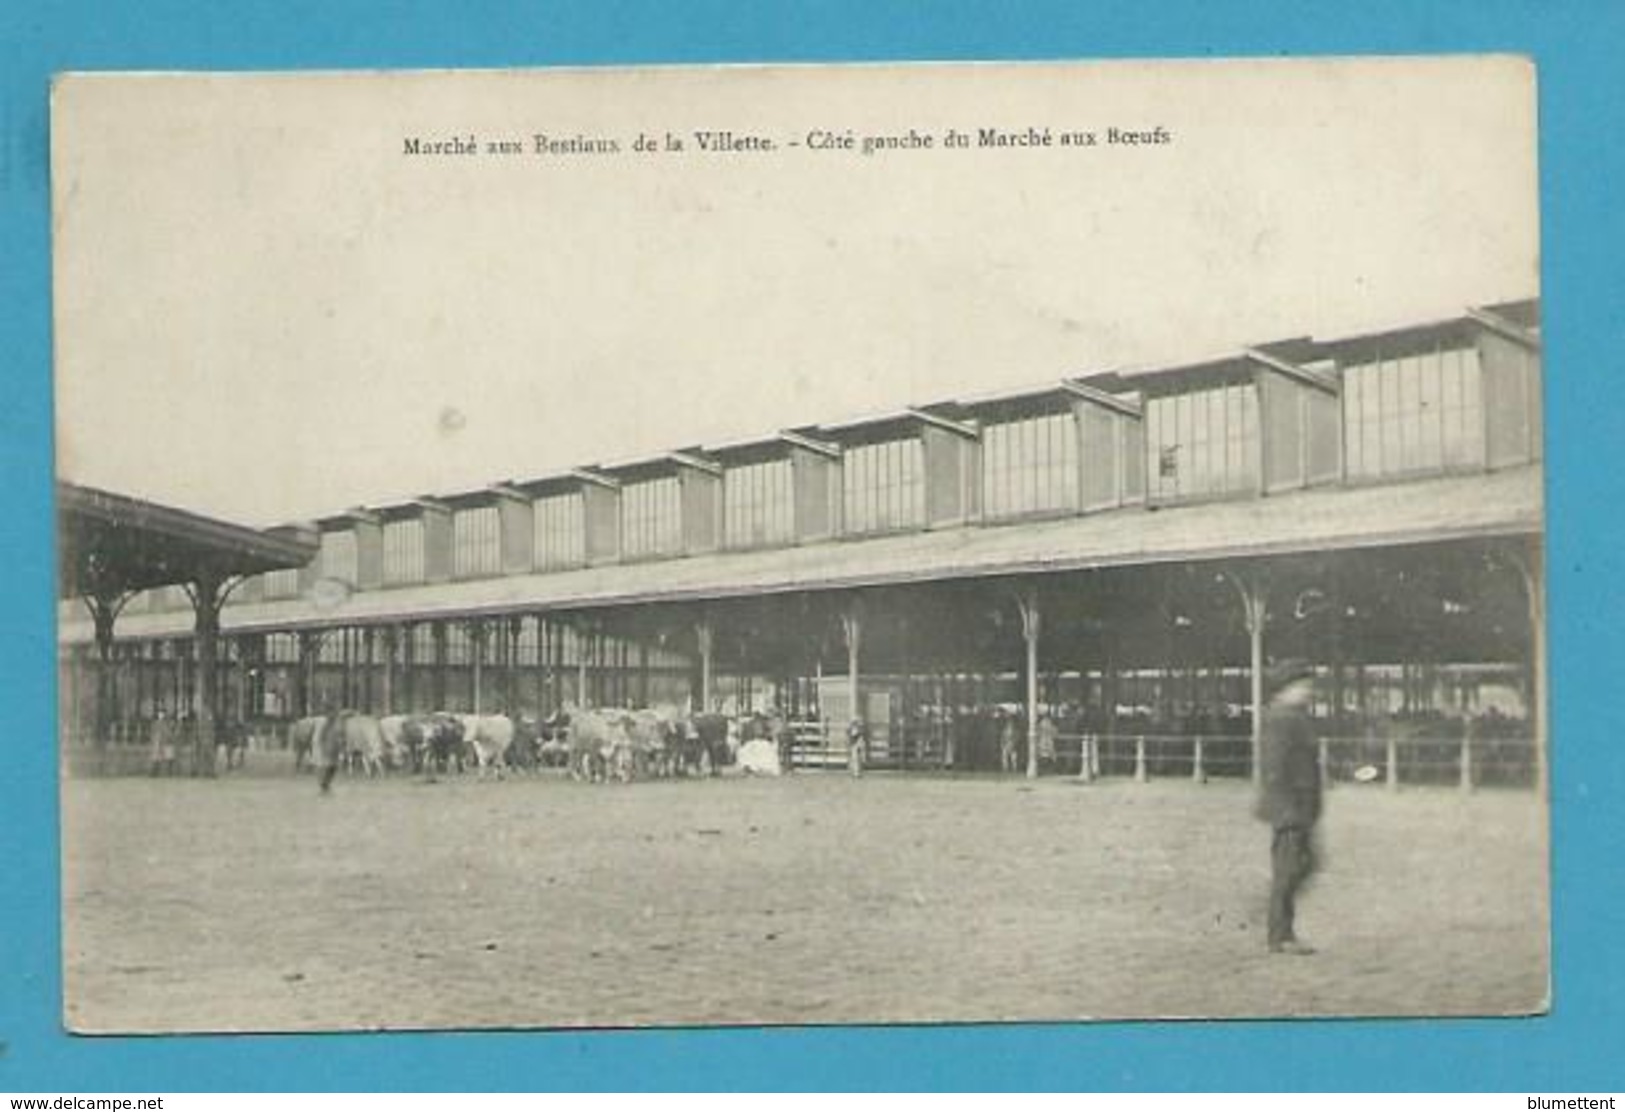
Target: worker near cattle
x,y
857,743
1289,796
1046,734
163,745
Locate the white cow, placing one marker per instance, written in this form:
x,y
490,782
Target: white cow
x,y
760,757
489,736
597,742
395,748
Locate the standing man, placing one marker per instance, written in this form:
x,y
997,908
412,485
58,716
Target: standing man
x,y
163,745
1008,758
330,745
1046,742
1289,796
857,740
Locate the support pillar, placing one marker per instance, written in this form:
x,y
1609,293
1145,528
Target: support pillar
x,y
1465,782
1254,592
852,632
437,632
208,596
583,644
310,643
476,652
643,673
1027,603
409,654
546,701
703,636
104,611
180,676
347,664
510,665
369,654
242,649
389,637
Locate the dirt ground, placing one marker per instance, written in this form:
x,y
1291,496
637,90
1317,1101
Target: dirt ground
x,y
253,903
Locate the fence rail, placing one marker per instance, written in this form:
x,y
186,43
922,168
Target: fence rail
x,y
1465,762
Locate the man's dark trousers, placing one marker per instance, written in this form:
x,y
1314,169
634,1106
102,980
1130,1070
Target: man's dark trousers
x,y
1292,859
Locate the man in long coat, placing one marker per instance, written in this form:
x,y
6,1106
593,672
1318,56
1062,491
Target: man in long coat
x,y
1289,796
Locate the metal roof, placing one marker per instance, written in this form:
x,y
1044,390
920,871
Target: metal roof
x,y
1506,503
112,543
1121,389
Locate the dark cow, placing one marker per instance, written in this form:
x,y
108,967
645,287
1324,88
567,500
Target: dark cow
x,y
524,752
553,746
707,748
436,740
415,730
232,736
448,744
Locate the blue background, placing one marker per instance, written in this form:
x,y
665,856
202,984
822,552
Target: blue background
x,y
1580,51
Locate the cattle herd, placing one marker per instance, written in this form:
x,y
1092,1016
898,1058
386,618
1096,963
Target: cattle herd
x,y
597,745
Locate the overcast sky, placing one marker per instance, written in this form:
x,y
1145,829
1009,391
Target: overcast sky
x,y
267,311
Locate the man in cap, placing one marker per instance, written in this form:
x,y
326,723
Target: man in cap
x,y
1289,795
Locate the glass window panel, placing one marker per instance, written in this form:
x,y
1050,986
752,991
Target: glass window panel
x,y
1029,466
1202,443
1431,388
1414,415
403,551
1472,406
1410,403
1450,404
1373,423
476,542
338,556
651,518
282,584
1388,425
757,506
560,531
1250,434
1158,451
883,486
1351,404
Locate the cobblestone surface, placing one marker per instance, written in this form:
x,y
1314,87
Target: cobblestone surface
x,y
252,903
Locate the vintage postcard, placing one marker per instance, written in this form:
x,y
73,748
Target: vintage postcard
x,y
800,545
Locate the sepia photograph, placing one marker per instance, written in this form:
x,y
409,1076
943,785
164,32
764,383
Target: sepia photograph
x,y
800,545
